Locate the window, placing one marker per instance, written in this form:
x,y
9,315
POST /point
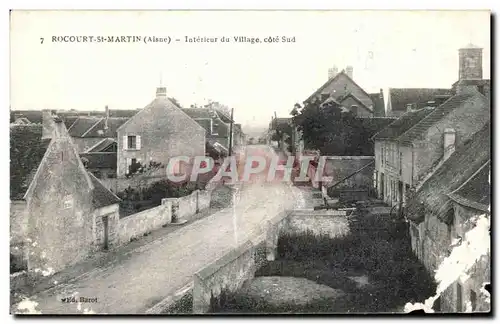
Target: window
x,y
132,142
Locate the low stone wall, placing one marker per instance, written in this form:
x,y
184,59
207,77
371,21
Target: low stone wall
x,y
184,208
146,221
328,222
228,273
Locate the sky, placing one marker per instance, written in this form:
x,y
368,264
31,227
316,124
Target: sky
x,y
385,48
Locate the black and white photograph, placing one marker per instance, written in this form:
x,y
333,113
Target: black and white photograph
x,y
250,162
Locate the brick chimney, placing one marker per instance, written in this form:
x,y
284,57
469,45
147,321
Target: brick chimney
x,y
161,92
348,71
470,63
332,72
449,142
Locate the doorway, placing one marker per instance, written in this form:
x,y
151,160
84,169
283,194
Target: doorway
x,y
105,222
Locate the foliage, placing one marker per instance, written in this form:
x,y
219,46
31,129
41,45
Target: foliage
x,y
280,131
378,249
332,130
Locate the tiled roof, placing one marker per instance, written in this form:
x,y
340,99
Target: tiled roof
x,y
461,165
436,114
102,197
401,97
26,152
99,160
199,113
402,124
69,120
94,126
113,124
82,125
476,191
350,95
102,145
374,124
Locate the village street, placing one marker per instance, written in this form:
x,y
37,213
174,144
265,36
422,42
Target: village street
x,y
157,270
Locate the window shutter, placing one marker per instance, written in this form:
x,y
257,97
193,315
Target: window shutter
x,y
138,142
125,142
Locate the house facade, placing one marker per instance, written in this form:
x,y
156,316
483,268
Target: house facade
x,y
56,207
342,88
411,148
442,211
157,133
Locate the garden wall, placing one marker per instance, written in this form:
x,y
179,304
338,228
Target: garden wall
x,y
227,273
146,221
184,208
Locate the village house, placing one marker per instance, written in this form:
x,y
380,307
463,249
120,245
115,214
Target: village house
x,y
402,100
443,210
87,131
422,140
216,124
342,88
59,213
157,133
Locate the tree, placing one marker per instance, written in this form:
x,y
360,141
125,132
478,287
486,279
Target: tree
x,y
330,129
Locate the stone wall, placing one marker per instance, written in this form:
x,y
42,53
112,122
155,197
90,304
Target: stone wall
x,y
146,221
340,167
112,214
326,222
184,208
227,273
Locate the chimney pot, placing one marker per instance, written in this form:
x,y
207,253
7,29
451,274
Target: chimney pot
x,y
106,117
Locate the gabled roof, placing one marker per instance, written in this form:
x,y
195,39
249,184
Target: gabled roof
x,y
402,124
101,197
476,191
401,97
330,81
69,120
461,165
99,160
437,114
98,129
350,95
82,125
26,152
164,103
102,145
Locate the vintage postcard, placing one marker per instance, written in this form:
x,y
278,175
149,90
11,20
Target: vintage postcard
x,y
250,162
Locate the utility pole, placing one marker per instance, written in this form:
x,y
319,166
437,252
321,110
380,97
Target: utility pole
x,y
276,129
231,134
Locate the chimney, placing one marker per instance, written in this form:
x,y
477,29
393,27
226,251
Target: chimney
x,y
48,124
161,92
332,72
381,93
106,117
470,63
348,71
449,143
